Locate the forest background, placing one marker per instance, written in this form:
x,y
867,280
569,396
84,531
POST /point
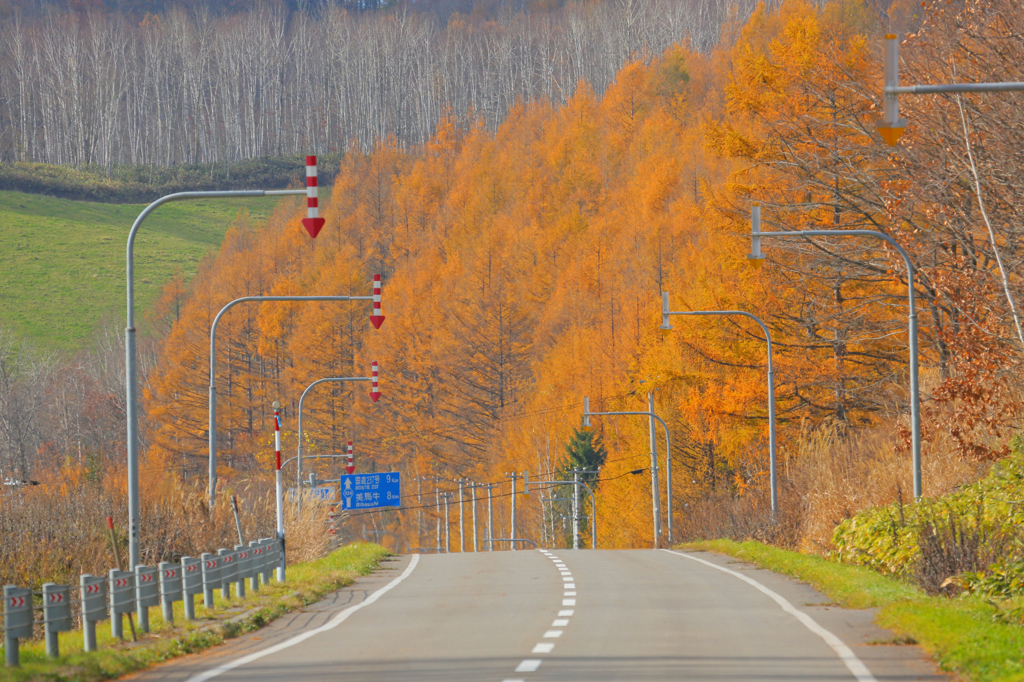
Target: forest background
x,y
526,213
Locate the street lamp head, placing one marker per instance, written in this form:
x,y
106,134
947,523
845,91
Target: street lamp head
x,y
586,414
276,405
665,326
755,256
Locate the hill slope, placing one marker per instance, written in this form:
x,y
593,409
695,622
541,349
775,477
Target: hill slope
x,y
65,260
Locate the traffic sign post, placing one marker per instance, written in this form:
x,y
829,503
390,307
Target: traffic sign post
x,y
192,584
371,491
93,591
56,615
17,621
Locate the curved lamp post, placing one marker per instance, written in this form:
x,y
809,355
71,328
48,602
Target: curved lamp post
x,y
665,312
915,409
655,488
374,395
376,319
130,368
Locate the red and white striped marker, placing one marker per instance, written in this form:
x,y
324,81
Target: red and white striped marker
x,y
375,389
312,222
350,462
376,319
330,517
277,437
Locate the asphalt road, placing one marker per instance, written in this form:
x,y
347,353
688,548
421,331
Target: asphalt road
x,y
564,615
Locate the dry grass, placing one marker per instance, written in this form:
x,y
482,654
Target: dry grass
x,y
57,530
826,476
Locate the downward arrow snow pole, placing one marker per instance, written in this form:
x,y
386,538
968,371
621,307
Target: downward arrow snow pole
x,y
312,222
350,460
375,388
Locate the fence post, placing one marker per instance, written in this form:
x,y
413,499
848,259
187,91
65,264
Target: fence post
x,y
17,621
56,615
93,591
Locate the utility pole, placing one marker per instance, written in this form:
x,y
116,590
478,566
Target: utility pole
x,y
419,503
474,487
462,515
575,508
514,476
437,514
447,534
490,518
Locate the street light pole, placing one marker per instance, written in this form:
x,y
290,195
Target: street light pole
x,y
302,398
131,369
213,361
655,492
772,460
915,399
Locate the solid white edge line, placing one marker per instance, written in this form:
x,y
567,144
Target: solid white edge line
x,y
329,625
845,653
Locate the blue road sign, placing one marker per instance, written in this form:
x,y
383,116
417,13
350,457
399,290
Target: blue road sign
x,y
327,493
369,491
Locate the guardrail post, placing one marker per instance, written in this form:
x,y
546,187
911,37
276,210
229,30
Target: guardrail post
x,y
211,577
268,566
147,593
242,569
56,615
17,621
170,588
122,599
191,583
93,591
256,565
227,572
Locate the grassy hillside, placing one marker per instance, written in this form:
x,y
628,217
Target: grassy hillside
x,y
64,261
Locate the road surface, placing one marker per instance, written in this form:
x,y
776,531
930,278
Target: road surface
x,y
564,615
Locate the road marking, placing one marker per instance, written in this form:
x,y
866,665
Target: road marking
x,y
543,648
569,594
854,664
569,586
528,666
329,625
560,623
566,612
567,579
552,634
568,602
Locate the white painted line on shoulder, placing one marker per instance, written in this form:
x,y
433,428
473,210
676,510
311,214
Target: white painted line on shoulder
x,y
560,623
568,602
543,648
528,666
329,625
552,634
513,681
565,613
845,654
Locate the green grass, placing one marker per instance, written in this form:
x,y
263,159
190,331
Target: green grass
x,y
961,634
307,583
64,261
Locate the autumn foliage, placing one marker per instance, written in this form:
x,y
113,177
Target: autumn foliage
x,y
523,270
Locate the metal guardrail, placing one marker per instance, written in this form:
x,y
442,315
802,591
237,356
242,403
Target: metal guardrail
x,y
124,592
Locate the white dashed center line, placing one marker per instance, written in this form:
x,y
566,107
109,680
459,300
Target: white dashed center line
x,y
552,634
560,623
528,666
543,648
